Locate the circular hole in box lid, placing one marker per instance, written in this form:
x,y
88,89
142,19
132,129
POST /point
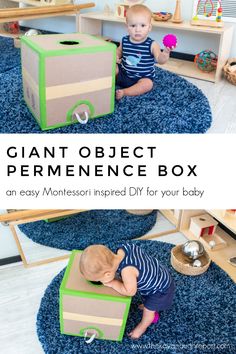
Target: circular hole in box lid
x,y
68,42
96,283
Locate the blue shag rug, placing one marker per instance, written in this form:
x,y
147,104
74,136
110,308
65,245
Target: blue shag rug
x,y
173,106
93,226
202,319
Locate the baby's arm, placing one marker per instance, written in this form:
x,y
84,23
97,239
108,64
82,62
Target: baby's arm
x,y
128,285
161,57
119,54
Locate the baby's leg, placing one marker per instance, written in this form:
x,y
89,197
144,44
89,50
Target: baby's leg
x,y
117,69
147,319
141,87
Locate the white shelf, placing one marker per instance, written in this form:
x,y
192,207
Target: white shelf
x,y
92,23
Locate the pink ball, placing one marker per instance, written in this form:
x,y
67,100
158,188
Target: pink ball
x,y
169,40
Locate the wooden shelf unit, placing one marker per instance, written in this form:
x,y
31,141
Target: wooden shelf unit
x,y
219,256
18,217
92,23
60,10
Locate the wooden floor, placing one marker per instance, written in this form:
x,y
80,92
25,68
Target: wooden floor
x,y
22,289
222,98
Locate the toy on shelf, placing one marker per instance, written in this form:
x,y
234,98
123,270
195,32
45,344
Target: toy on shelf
x,y
229,70
229,212
206,60
12,27
161,16
68,78
204,228
170,41
88,309
176,18
207,13
123,7
54,2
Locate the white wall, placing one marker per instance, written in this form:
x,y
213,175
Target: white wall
x,y
7,244
188,43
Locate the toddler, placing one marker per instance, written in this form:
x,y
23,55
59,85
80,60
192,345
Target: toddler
x,y
137,54
138,272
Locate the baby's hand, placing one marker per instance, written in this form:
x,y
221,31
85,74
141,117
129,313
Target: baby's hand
x,y
118,60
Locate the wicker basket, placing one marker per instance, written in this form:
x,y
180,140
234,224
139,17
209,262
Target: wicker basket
x,y
161,16
182,264
139,211
230,70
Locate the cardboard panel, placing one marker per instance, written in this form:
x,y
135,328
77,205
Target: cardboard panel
x,y
77,68
93,307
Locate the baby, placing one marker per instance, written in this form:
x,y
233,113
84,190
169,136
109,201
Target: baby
x,y
138,271
137,54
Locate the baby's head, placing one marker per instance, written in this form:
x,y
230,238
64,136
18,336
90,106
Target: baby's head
x,y
97,263
138,20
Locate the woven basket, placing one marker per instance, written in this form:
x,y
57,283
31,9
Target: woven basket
x,y
139,211
182,263
160,16
230,70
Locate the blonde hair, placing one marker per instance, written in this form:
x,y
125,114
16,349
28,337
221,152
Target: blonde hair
x,y
138,9
96,259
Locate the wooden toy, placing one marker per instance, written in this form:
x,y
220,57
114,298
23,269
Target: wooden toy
x,y
90,310
176,18
122,8
67,78
229,212
204,227
207,13
161,16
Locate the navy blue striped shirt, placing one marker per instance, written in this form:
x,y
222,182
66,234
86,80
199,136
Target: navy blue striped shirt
x,y
137,58
153,277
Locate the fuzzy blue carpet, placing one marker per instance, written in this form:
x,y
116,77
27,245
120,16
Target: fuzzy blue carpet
x,y
173,106
93,226
202,319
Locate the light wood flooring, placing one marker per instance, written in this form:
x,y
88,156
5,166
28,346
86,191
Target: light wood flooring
x,y
22,289
222,98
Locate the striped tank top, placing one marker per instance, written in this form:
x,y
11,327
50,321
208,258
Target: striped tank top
x,y
153,277
137,59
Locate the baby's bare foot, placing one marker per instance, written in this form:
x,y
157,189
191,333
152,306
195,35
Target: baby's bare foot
x,y
119,94
137,332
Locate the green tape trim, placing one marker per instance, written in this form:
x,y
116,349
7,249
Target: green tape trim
x,y
42,92
125,317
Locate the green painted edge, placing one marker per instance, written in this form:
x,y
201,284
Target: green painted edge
x,y
101,334
78,103
125,317
42,92
112,104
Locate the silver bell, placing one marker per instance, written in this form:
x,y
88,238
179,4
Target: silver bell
x,y
193,249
